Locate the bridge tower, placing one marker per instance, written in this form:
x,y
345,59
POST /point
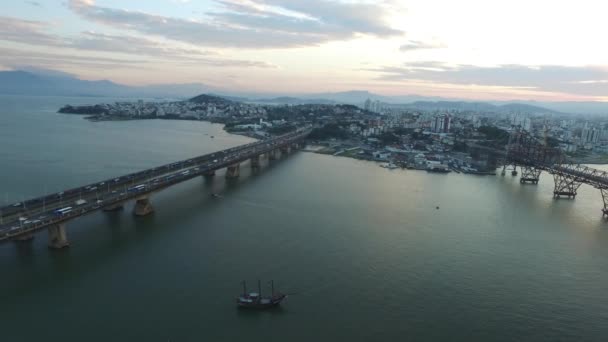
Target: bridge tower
x,y
604,192
530,174
509,166
565,185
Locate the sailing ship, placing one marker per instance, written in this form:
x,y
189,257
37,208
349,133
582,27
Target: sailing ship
x,y
255,300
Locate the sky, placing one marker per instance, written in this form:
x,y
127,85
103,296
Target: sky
x,y
469,49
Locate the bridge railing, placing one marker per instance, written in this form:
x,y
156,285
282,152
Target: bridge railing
x,y
156,171
152,184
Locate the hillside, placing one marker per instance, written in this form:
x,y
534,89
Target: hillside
x,y
205,98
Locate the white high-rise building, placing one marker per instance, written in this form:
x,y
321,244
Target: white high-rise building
x,y
590,136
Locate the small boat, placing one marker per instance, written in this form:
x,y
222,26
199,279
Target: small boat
x,y
215,195
212,137
389,166
255,300
438,168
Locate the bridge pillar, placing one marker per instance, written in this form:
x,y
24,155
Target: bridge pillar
x,y
25,237
285,150
58,238
507,166
233,171
255,162
143,206
604,192
114,207
565,186
272,155
529,174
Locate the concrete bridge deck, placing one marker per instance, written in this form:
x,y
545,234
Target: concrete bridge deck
x,y
22,220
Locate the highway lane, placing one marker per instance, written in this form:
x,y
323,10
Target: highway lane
x,y
45,214
108,185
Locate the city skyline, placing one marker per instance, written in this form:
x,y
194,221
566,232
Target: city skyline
x,y
471,49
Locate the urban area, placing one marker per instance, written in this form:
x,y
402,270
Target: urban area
x,y
440,137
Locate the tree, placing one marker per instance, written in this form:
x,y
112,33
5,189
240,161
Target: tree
x,y
328,131
388,138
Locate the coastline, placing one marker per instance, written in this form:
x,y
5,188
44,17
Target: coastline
x,y
587,160
107,118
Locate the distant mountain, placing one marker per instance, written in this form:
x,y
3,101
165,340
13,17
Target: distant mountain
x,y
286,100
526,108
35,81
26,83
571,107
62,84
479,107
358,97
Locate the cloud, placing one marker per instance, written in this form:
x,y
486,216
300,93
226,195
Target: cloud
x,y
27,31
253,23
15,58
420,45
133,45
34,3
581,80
33,33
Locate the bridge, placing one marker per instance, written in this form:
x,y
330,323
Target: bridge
x,y
533,157
20,221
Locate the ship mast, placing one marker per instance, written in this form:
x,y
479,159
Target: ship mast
x,y
244,289
259,289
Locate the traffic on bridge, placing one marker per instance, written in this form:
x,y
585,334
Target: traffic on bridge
x,y
20,221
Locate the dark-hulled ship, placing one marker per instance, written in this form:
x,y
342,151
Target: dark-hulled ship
x,y
255,300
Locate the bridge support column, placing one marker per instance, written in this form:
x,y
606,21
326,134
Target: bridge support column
x,y
143,206
272,155
506,167
255,162
25,237
233,171
565,186
114,207
285,150
529,174
604,192
58,237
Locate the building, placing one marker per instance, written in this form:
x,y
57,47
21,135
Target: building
x,y
441,124
590,136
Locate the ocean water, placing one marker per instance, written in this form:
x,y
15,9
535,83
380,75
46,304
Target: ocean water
x,y
363,251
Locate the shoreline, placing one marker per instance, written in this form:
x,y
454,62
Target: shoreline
x,y
599,160
105,118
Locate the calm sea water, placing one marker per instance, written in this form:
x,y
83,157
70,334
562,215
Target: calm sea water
x,y
363,250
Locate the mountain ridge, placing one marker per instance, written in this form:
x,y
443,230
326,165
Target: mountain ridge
x,y
56,83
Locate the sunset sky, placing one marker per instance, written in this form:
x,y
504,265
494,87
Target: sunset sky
x,y
475,49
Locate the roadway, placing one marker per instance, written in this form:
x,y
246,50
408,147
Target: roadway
x,y
35,214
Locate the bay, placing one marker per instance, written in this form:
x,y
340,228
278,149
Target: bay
x,y
363,251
